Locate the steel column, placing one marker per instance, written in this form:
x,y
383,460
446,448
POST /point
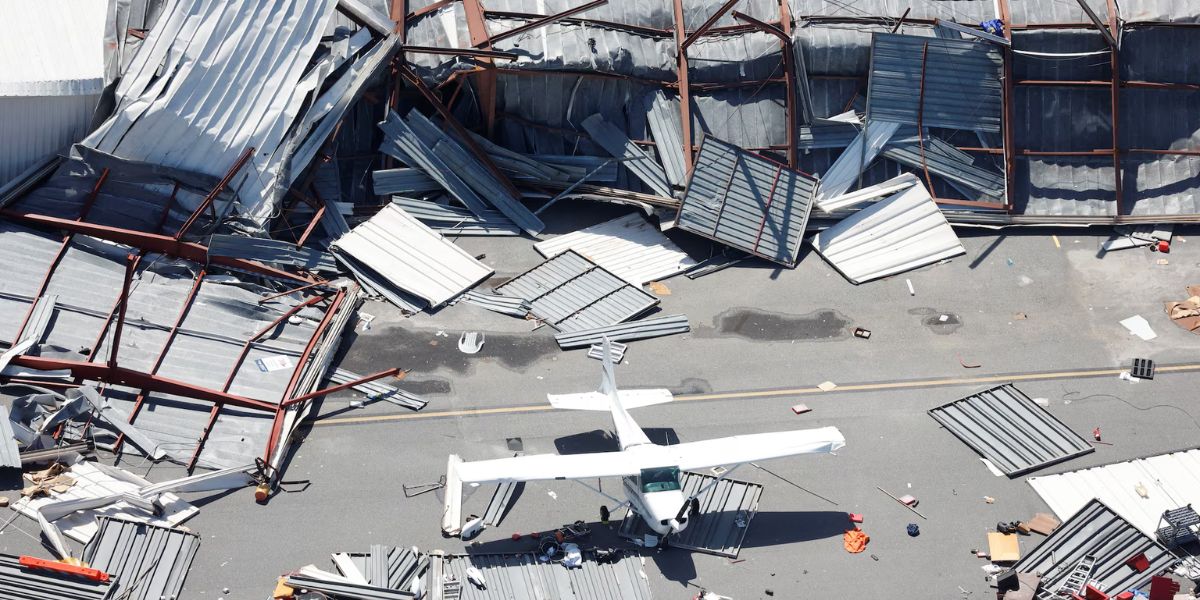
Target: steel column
x,y
789,77
212,196
485,82
685,96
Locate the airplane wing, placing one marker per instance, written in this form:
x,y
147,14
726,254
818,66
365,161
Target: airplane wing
x,y
549,466
756,446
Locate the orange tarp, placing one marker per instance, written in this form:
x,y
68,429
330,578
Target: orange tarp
x,y
855,540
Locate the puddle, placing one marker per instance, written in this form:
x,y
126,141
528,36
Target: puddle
x,y
939,322
421,351
763,326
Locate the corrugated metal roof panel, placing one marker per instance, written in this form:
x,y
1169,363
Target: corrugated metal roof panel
x,y
52,48
148,562
271,251
1097,531
859,154
443,218
960,79
1172,480
616,143
35,127
726,508
523,577
39,584
663,117
747,202
235,76
949,163
901,232
571,293
625,332
413,257
629,247
10,454
402,181
1004,426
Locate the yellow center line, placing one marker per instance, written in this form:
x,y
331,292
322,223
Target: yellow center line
x,y
859,387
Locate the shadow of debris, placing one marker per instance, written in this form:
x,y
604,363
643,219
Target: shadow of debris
x,y
675,565
788,527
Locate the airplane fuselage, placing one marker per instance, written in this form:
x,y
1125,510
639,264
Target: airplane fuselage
x,y
658,509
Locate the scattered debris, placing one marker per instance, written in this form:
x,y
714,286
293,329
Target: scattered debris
x,y
628,247
1043,523
1186,314
827,386
800,408
470,342
1002,547
616,349
855,541
908,502
1139,326
862,333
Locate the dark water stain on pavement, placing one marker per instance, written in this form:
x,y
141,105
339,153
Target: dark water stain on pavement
x,y
939,322
422,351
427,386
692,385
763,326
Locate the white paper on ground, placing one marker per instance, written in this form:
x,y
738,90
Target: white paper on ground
x,y
1139,326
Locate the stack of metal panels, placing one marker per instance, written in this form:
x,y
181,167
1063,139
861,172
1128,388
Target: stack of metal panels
x,y
148,562
1007,428
275,252
1112,541
747,202
571,293
625,332
523,577
22,583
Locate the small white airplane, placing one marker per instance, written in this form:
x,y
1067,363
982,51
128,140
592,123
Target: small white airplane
x,y
649,472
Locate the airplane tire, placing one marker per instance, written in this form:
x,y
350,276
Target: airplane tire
x,y
604,514
694,509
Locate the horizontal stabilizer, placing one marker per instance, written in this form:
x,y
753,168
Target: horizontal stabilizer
x,y
599,401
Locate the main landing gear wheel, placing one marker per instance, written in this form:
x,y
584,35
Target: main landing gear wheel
x,y
604,514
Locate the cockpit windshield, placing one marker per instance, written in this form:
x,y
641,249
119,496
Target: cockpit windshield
x,y
660,479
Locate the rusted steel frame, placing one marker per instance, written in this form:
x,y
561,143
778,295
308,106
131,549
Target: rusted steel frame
x,y
319,211
1163,152
542,22
1097,152
84,211
789,76
1111,35
112,313
292,291
162,219
767,209
280,409
212,196
131,262
1008,104
971,203
237,364
463,135
485,84
475,52
1152,85
921,115
137,379
900,21
685,95
341,386
398,12
708,23
152,242
162,353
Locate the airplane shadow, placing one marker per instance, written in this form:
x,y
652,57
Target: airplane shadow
x,y
766,529
599,440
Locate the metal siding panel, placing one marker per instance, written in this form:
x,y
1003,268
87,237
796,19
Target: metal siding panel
x,y
727,200
147,562
1004,426
618,144
1172,479
896,234
413,257
961,82
625,332
629,247
270,251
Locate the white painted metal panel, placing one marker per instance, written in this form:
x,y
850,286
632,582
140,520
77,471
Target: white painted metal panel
x,y
52,47
629,247
899,233
412,256
1170,481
